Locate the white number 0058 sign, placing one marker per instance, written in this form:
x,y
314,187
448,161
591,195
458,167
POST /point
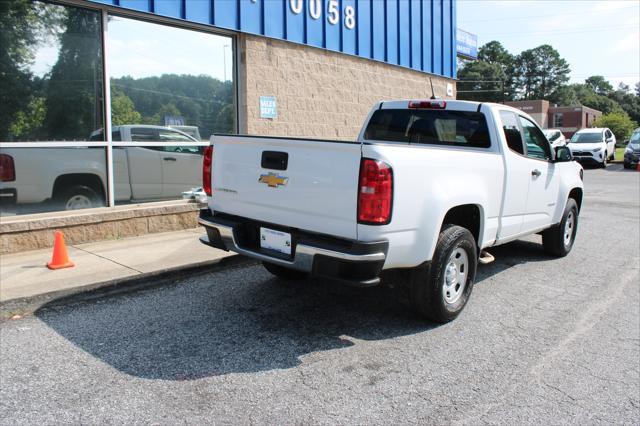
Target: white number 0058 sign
x,y
333,14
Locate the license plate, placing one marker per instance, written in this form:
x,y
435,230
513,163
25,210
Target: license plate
x,y
275,240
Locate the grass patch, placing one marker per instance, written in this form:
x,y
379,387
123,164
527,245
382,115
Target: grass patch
x,y
620,153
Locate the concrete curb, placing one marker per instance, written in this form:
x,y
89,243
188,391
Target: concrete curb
x,y
28,305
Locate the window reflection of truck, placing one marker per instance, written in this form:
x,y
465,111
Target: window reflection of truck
x,y
192,131
75,178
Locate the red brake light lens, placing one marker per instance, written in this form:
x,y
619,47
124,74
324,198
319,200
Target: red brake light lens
x,y
433,104
375,192
7,168
207,164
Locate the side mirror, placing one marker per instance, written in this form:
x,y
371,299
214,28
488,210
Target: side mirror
x,y
563,154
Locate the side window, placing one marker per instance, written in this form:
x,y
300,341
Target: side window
x,y
143,134
511,131
537,145
608,133
171,136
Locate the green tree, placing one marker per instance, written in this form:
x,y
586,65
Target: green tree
x,y
28,122
74,95
225,121
638,89
599,85
565,96
627,101
540,71
494,53
23,27
123,111
165,110
199,99
618,122
485,83
581,94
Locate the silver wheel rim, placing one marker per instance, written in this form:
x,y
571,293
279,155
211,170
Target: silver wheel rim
x,y
569,226
455,275
78,202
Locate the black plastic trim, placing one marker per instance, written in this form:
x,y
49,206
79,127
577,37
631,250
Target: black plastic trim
x,y
274,160
359,273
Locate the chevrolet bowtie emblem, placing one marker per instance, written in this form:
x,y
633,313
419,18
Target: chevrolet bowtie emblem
x,y
273,180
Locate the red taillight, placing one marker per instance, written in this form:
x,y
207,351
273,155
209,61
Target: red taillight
x,y
375,192
433,104
207,163
7,168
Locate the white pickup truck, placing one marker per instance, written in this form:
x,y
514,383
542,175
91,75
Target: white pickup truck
x,y
75,178
427,187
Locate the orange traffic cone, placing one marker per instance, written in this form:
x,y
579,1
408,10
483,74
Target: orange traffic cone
x,y
60,258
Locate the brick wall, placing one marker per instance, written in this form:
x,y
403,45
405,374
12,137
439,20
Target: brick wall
x,y
320,94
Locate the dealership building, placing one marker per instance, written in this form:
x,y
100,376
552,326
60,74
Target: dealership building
x,y
107,104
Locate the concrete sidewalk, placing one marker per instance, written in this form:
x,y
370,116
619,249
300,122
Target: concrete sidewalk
x,y
25,276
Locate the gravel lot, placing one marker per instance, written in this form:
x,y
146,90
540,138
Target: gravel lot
x,y
542,341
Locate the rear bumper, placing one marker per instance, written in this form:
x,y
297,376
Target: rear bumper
x,y
355,262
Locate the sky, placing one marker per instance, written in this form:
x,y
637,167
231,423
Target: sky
x,y
596,37
141,49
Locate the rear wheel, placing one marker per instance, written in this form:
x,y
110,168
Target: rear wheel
x,y
78,197
440,290
558,240
284,273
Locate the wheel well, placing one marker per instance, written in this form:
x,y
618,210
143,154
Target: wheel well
x,y
576,194
467,216
86,179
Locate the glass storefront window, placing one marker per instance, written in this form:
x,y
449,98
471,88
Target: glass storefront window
x,y
51,78
171,77
170,87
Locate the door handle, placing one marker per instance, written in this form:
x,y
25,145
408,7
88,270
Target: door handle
x,y
536,172
169,158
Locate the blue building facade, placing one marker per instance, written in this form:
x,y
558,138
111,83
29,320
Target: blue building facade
x,y
416,34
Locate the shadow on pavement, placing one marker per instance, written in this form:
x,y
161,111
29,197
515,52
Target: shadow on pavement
x,y
241,320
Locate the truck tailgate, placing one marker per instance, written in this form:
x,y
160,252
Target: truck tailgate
x,y
317,191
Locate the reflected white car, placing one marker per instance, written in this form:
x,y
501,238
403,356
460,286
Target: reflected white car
x,y
593,146
556,137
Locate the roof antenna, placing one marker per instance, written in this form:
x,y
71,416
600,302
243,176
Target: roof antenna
x,y
433,93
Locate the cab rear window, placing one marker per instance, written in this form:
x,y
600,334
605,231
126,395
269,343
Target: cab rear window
x,y
429,127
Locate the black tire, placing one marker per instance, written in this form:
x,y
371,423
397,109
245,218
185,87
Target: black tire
x,y
78,197
284,273
604,161
627,165
428,284
553,239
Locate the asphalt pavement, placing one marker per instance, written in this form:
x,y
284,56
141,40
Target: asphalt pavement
x,y
542,341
